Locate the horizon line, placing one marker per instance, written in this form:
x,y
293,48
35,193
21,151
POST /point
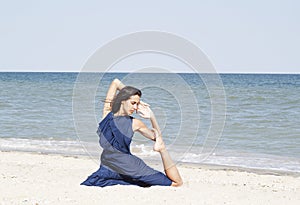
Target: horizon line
x,y
47,71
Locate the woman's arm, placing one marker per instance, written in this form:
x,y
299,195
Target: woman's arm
x,y
154,122
138,125
145,112
115,85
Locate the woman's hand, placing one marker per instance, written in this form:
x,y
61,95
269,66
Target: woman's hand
x,y
144,110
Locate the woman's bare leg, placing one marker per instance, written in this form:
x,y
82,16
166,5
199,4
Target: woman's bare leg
x,y
169,166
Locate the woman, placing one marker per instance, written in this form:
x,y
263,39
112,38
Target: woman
x,y
118,165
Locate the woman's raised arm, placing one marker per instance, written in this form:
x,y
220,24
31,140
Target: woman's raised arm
x,y
145,112
115,85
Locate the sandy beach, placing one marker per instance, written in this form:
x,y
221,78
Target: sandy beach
x,y
32,178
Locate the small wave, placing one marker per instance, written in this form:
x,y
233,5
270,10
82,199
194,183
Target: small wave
x,y
5,105
48,146
232,158
247,160
179,154
143,150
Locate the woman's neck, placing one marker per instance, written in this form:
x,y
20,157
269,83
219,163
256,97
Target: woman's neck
x,y
120,113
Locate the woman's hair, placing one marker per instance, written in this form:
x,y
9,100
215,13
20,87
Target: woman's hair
x,y
124,94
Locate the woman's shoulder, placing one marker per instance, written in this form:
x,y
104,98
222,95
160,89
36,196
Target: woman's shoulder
x,y
107,116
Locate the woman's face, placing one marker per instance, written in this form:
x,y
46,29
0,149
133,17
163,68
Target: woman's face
x,y
130,105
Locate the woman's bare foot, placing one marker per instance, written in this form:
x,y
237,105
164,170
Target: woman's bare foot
x,y
159,144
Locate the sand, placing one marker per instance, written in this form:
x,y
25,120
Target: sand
x,y
32,178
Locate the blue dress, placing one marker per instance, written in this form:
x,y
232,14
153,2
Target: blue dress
x,y
118,165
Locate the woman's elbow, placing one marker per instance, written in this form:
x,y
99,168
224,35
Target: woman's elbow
x,y
116,81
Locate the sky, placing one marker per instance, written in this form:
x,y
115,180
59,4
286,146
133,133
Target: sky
x,y
257,36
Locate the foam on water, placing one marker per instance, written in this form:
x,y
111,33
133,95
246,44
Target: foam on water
x,y
48,146
220,157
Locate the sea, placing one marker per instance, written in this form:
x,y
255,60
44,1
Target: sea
x,y
239,120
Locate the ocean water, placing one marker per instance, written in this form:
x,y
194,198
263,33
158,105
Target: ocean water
x,y
258,127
